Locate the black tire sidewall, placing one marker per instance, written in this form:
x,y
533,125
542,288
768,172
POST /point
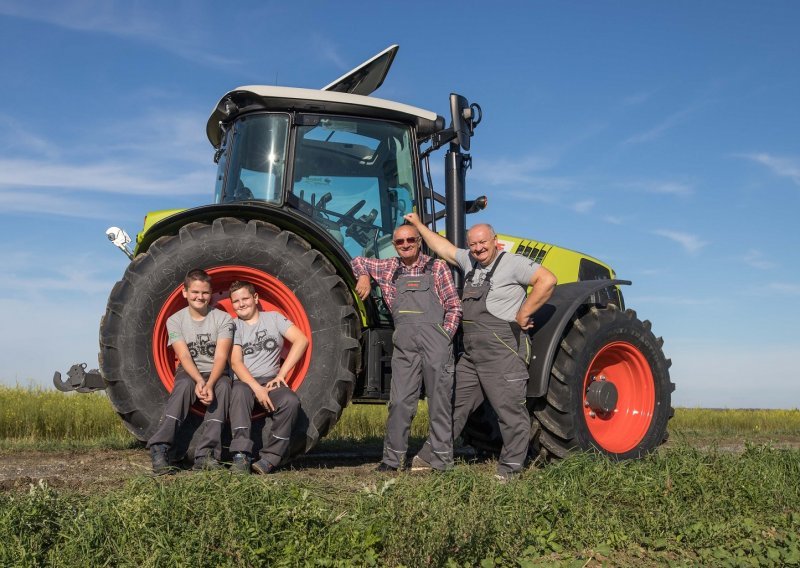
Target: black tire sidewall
x,y
127,332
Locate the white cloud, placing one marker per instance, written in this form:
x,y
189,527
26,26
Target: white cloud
x,y
530,196
18,138
780,166
182,36
331,52
690,243
613,220
658,130
788,288
583,206
636,98
679,189
523,171
107,177
755,258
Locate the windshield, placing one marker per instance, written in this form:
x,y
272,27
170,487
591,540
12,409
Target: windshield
x,y
355,177
258,160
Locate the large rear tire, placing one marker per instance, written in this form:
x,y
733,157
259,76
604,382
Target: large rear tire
x,y
609,391
288,275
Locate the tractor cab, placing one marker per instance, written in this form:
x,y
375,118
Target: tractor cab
x,y
354,176
344,159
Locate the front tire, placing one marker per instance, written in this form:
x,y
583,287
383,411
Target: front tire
x,y
288,275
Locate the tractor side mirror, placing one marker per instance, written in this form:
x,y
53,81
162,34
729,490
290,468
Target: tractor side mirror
x,y
465,118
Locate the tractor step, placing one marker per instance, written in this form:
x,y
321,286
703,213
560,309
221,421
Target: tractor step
x,y
78,379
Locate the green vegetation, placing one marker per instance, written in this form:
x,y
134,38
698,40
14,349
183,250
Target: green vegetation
x,y
43,419
33,417
681,506
699,421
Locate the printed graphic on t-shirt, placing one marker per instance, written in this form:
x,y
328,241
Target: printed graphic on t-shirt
x,y
479,277
263,342
203,345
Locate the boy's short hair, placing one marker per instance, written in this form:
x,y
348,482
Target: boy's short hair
x,y
194,275
239,284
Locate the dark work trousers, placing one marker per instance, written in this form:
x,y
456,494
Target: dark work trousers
x,y
178,404
287,407
494,366
423,351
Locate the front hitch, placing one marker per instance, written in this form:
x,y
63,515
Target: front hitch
x,y
79,380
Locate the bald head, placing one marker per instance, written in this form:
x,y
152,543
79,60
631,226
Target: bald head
x,y
482,243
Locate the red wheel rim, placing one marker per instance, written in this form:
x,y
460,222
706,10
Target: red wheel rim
x,y
272,295
621,429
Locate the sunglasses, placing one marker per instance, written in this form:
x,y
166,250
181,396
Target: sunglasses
x,y
409,240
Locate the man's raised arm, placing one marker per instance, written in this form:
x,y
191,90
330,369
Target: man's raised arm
x,y
438,244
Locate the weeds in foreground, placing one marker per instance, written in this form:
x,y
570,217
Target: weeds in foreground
x,y
678,506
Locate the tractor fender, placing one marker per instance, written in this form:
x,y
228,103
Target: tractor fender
x,y
550,321
285,219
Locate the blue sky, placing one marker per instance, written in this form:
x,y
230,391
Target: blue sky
x,y
659,137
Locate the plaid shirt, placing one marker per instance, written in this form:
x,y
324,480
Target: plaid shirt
x,y
382,270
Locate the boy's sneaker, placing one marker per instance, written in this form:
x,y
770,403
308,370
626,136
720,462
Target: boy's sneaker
x,y
263,467
419,464
385,468
158,455
241,463
207,462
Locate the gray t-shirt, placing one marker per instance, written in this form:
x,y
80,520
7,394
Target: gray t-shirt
x,y
509,285
200,336
262,342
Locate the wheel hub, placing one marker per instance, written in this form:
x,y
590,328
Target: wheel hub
x,y
601,396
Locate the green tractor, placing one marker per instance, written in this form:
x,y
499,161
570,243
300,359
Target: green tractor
x,y
308,179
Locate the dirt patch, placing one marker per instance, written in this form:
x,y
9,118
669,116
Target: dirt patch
x,y
88,471
91,470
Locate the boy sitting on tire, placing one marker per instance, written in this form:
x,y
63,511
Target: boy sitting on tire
x,y
255,359
201,339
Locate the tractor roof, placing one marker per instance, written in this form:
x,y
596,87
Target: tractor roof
x,y
261,97
349,94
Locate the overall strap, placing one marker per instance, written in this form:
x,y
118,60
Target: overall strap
x,y
469,276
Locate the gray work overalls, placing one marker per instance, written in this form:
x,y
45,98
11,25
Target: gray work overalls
x,y
494,366
423,351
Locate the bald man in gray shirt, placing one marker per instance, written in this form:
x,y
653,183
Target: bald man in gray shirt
x,y
497,313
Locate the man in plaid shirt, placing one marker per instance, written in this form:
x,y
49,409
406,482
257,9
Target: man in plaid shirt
x,y
426,310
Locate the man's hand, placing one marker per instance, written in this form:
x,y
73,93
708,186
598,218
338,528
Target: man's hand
x,y
412,218
276,383
262,396
363,286
525,322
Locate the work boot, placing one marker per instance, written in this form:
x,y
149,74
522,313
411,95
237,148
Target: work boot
x,y
419,464
241,463
158,455
385,468
207,462
263,467
503,478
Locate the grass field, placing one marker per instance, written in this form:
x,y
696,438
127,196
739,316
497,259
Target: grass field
x,y
680,506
